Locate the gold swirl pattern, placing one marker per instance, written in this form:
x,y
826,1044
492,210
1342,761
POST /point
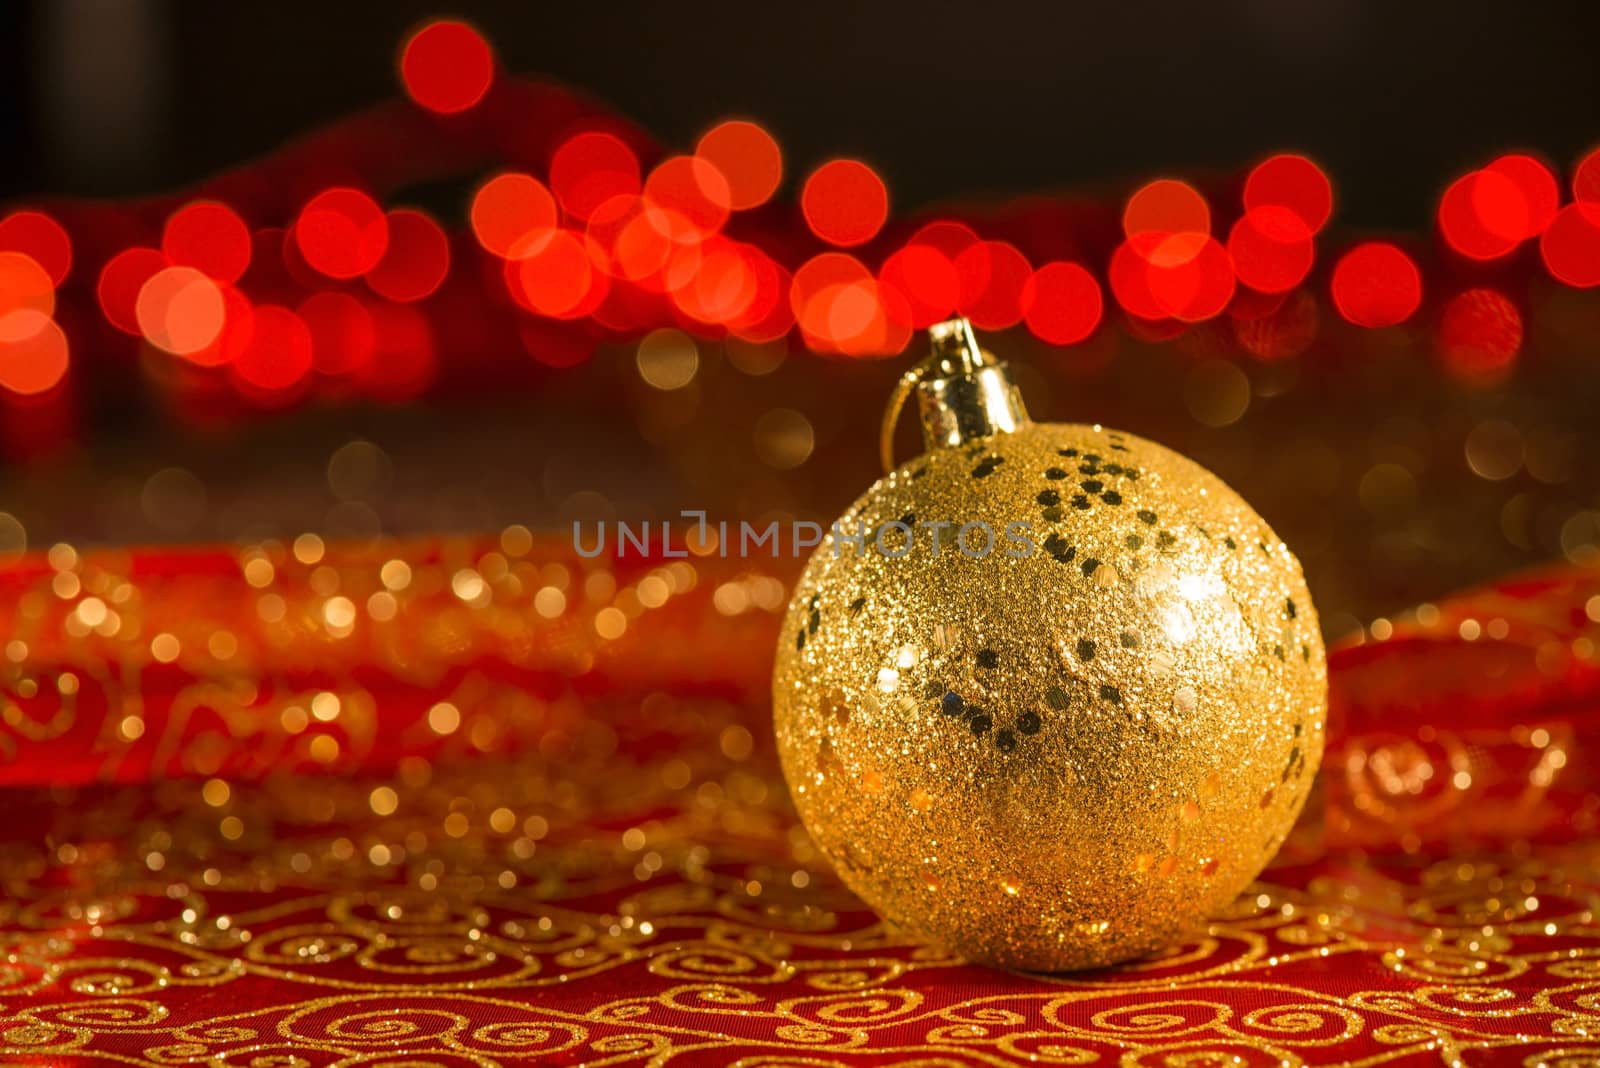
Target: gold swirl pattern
x,y
474,834
309,946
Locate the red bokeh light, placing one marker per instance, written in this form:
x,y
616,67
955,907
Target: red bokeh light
x,y
832,296
748,158
24,284
723,289
209,237
845,202
1061,303
123,276
416,261
1486,214
1586,178
820,272
1186,276
19,324
769,315
683,262
279,354
926,279
1129,276
693,189
238,324
854,317
1482,215
590,169
642,238
887,331
990,276
1271,248
1541,196
33,352
38,236
1190,276
950,238
608,222
1376,284
508,208
1479,334
1571,245
556,275
447,66
1166,206
723,286
628,255
180,310
342,233
343,338
1293,182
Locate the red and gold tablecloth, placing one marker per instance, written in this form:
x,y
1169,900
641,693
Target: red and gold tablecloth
x,y
480,801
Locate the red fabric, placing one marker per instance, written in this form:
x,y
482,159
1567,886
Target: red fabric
x,y
279,845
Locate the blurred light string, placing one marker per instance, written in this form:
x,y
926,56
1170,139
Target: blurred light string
x,y
294,277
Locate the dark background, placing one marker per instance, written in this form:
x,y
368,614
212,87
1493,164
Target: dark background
x,y
1358,461
115,97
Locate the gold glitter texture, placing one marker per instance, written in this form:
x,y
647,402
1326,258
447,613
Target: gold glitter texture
x,y
1063,759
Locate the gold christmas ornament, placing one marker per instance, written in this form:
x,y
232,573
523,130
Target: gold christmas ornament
x,y
1048,694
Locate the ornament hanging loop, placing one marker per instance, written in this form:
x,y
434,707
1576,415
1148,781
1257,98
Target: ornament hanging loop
x,y
891,413
962,391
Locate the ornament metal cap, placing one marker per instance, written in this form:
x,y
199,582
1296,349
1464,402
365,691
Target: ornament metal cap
x,y
963,393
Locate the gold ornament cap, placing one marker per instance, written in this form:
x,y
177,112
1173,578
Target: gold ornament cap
x,y
963,393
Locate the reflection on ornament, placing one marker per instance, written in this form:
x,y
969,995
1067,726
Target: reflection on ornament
x,y
1065,744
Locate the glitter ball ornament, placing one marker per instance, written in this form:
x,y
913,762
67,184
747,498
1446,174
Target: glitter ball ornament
x,y
1047,695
